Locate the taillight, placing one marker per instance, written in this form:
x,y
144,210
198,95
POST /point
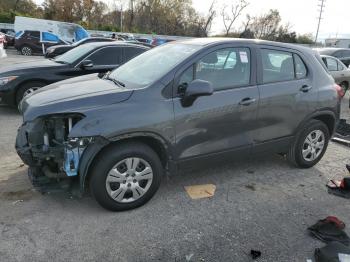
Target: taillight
x,y
339,90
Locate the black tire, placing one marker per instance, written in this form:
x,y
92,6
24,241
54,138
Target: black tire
x,y
25,87
108,159
295,155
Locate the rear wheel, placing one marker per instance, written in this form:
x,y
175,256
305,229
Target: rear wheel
x,y
26,50
310,145
26,89
126,176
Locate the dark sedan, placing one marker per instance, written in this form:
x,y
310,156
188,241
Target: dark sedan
x,y
17,80
56,50
343,54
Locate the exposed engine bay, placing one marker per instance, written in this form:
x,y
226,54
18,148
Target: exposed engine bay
x,y
45,143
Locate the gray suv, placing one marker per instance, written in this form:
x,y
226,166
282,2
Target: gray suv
x,y
185,103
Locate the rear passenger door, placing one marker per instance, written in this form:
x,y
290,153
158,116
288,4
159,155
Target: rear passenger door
x,y
222,122
287,95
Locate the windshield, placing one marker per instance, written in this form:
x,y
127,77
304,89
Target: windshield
x,y
79,42
73,55
153,64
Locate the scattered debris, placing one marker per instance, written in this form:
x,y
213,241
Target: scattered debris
x,y
201,191
340,187
343,128
188,257
330,229
334,251
251,187
255,254
17,201
15,195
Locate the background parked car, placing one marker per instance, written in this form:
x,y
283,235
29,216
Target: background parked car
x,y
160,41
343,54
61,49
10,37
17,80
28,42
338,70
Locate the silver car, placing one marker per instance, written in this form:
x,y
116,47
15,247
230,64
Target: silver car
x,y
338,70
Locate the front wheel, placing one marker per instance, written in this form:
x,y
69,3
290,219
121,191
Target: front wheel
x,y
26,89
125,176
310,145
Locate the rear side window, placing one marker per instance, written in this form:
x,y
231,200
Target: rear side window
x,y
277,66
224,68
106,56
131,52
332,64
35,34
300,68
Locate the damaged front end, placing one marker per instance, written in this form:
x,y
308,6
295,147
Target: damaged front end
x,y
44,144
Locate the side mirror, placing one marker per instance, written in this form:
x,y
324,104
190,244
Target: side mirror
x,y
196,89
86,64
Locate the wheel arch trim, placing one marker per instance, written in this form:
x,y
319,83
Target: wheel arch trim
x,y
101,143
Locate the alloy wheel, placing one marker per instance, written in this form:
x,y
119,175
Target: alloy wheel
x,y
129,180
26,51
313,145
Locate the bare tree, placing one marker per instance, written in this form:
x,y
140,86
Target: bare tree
x,y
237,7
210,17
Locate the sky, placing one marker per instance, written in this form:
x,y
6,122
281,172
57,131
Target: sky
x,y
300,14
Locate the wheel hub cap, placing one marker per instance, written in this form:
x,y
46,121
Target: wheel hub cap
x,y
129,180
313,145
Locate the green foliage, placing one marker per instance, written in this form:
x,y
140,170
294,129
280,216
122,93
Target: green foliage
x,y
305,39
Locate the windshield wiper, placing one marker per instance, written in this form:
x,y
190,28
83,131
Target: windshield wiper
x,y
115,81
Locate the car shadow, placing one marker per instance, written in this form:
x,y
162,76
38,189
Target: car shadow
x,y
250,175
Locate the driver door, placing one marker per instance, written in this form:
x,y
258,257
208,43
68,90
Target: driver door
x,y
223,122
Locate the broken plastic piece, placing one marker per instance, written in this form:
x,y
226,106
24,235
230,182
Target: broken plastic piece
x,y
255,253
331,252
340,187
200,191
327,230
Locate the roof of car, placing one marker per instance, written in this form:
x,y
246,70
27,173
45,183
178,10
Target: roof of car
x,y
330,50
208,41
120,43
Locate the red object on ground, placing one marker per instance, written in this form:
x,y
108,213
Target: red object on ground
x,y
340,224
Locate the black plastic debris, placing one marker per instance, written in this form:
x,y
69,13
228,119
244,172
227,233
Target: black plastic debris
x,y
331,252
339,188
342,133
343,128
255,254
329,230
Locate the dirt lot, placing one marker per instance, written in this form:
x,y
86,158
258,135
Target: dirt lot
x,y
260,203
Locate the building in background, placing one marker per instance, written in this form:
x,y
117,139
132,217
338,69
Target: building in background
x,y
338,42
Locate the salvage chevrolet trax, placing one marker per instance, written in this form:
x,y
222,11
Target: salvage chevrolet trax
x,y
183,103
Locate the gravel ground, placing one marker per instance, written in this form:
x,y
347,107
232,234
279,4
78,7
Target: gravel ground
x,y
260,203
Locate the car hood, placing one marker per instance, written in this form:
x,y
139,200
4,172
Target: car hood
x,y
74,95
30,66
60,46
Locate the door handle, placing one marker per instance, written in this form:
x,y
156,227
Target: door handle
x,y
305,88
247,101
